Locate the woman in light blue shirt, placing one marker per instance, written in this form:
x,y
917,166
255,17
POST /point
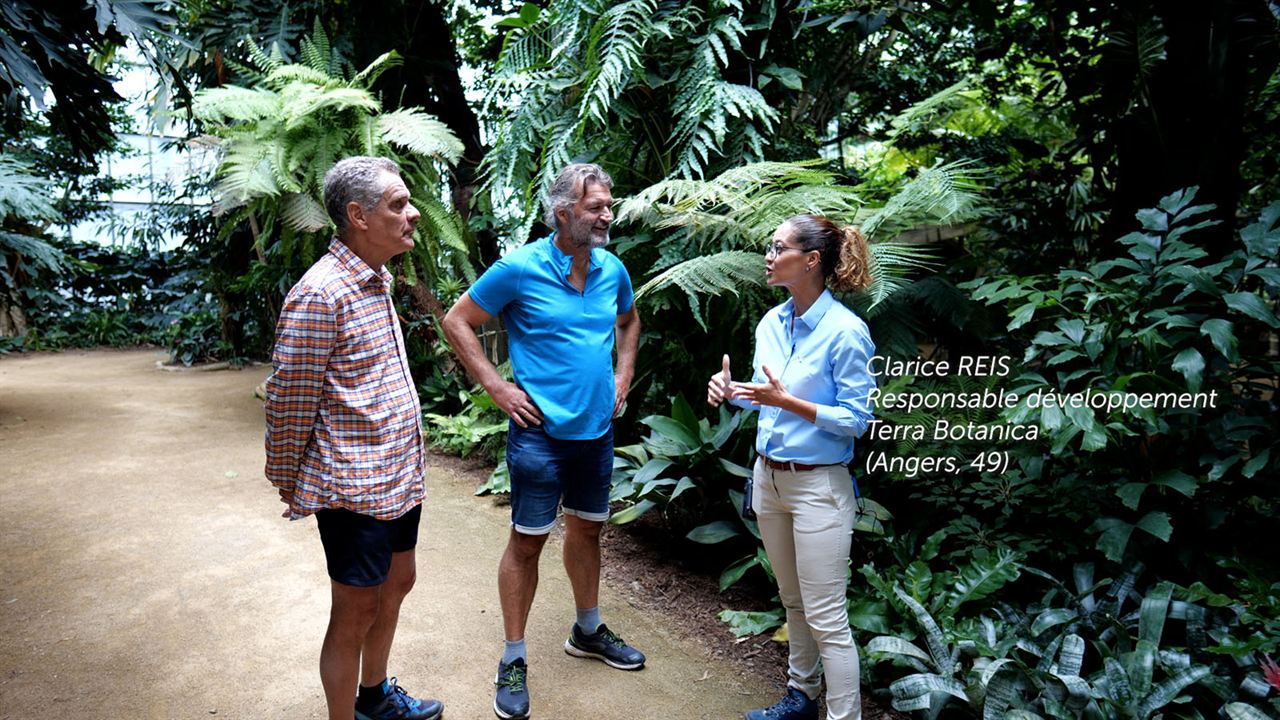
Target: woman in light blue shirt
x,y
812,388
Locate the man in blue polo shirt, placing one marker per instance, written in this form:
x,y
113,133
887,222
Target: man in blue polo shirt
x,y
564,302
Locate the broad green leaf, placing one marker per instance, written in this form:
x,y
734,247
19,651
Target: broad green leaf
x,y
890,645
684,484
1167,691
1157,524
743,623
674,431
1255,464
1022,316
919,684
735,469
872,616
651,470
734,572
623,517
1052,618
1253,306
1222,334
1131,493
1177,480
683,414
713,532
1244,711
1190,363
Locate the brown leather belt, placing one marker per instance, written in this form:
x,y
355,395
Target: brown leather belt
x,y
791,466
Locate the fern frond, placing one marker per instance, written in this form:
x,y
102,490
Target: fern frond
x,y
235,103
625,29
300,211
710,274
941,195
303,102
316,52
288,74
421,133
381,64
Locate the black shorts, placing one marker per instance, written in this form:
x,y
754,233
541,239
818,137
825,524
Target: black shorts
x,y
358,548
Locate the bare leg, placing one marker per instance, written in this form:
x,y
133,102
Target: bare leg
x,y
582,559
377,643
518,581
353,613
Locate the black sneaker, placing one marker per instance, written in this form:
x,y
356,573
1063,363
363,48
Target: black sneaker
x,y
603,645
400,705
511,702
794,706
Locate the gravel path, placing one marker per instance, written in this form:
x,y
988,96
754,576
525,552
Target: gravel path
x,y
146,572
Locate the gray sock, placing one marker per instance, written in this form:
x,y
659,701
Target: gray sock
x,y
589,620
513,651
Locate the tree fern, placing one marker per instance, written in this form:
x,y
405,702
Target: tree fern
x,y
419,133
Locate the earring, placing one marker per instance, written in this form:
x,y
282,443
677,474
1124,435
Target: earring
x,y
808,268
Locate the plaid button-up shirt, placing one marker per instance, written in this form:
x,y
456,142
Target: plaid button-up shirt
x,y
344,426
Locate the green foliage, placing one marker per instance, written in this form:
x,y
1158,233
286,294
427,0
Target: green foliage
x,y
1165,319
482,426
679,470
279,138
585,76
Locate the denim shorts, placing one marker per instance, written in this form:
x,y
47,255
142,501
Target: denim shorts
x,y
544,470
358,548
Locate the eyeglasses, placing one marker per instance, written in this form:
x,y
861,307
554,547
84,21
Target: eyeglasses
x,y
776,249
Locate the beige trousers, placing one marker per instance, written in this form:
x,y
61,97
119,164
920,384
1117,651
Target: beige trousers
x,y
806,522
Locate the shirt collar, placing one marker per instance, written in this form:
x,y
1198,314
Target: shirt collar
x,y
564,262
354,265
813,315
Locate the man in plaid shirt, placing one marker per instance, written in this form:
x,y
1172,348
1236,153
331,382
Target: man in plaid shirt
x,y
344,438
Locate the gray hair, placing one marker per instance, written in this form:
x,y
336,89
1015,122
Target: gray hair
x,y
569,187
360,179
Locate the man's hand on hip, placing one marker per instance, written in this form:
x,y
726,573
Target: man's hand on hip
x,y
621,386
517,404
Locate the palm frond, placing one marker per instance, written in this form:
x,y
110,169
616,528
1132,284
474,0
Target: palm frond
x,y
421,133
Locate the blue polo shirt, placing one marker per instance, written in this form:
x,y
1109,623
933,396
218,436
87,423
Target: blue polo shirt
x,y
560,339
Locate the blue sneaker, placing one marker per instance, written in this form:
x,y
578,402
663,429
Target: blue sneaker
x,y
400,705
795,706
604,645
511,702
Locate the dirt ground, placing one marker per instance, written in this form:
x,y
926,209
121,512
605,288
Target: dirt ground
x,y
146,572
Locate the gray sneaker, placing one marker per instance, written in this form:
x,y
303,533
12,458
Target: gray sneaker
x,y
603,645
511,701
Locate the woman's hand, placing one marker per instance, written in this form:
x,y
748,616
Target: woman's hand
x,y
770,393
720,386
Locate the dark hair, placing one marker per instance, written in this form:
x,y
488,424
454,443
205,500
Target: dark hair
x,y
846,261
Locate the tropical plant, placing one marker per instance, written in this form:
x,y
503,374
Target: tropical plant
x,y
681,454
1167,318
25,209
643,74
280,136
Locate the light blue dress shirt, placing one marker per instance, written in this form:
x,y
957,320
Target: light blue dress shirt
x,y
823,359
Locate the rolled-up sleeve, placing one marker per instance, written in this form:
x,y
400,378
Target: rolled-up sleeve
x,y
305,338
852,410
